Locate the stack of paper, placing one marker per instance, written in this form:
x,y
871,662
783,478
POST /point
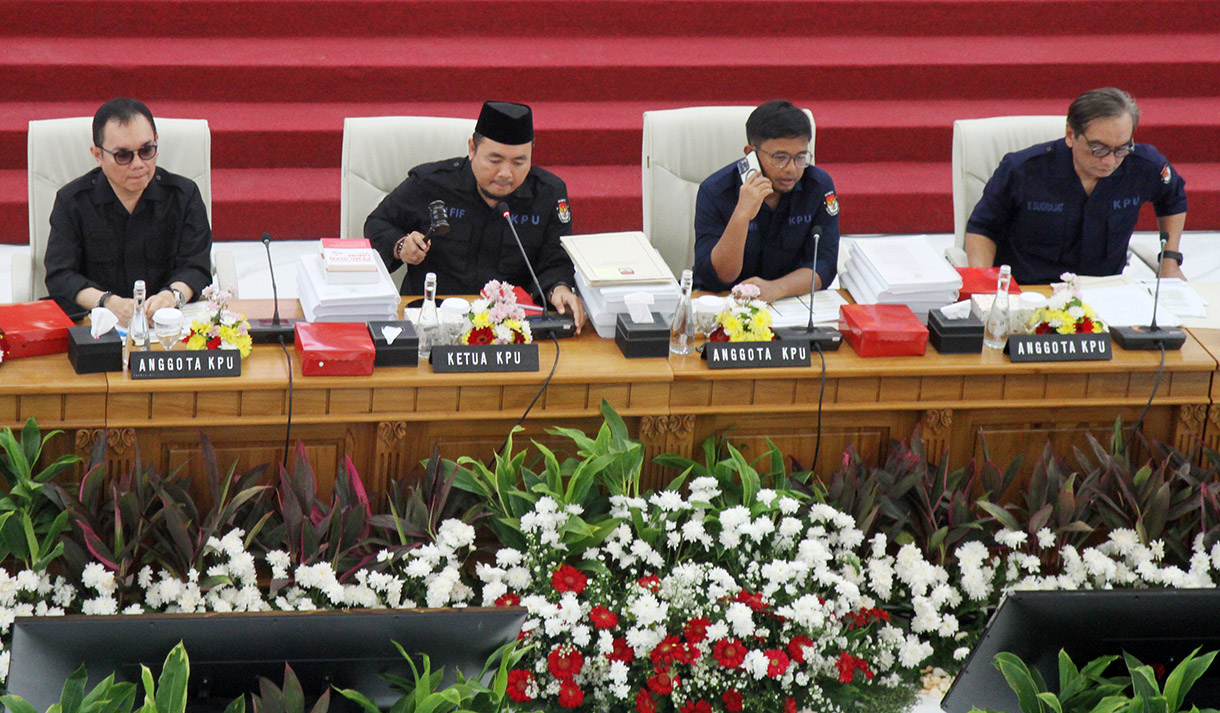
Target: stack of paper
x,y
903,270
794,311
323,301
610,266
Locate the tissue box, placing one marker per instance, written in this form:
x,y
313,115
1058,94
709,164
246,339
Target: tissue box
x,y
334,348
883,330
403,352
955,336
91,356
981,281
35,328
636,340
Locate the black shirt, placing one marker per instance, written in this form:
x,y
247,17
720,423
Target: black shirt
x,y
479,246
95,242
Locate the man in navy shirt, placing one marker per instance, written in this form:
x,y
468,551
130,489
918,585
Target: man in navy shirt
x,y
760,231
1070,205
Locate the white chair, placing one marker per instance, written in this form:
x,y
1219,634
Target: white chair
x,y
681,148
978,147
378,151
58,152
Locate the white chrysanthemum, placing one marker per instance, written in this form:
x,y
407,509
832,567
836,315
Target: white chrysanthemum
x,y
668,501
766,496
960,653
1046,538
740,619
508,557
913,652
1123,541
455,535
755,663
704,489
648,610
1011,538
94,576
789,505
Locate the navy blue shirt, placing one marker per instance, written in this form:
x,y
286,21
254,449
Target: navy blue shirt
x,y
1035,210
778,241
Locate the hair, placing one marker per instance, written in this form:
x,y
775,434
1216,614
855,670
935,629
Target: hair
x,y
1105,103
777,119
477,138
122,110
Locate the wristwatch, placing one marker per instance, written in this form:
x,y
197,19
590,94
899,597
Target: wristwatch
x,y
1171,254
179,298
101,301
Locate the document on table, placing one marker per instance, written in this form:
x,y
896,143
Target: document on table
x,y
794,311
1179,297
1127,306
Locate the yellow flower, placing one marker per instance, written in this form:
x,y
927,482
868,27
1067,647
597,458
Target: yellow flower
x,y
197,342
482,319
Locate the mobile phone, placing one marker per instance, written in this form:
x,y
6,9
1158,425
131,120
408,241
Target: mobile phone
x,y
748,165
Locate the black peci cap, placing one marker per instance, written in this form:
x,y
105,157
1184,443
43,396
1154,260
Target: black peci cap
x,y
506,123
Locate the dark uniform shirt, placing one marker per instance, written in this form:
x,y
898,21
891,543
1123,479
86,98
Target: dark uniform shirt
x,y
778,241
1035,210
95,242
479,246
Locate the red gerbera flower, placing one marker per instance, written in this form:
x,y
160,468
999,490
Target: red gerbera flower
x,y
671,648
796,648
848,665
482,335
570,695
644,702
521,686
508,599
699,706
519,338
696,629
1084,326
777,662
652,583
732,700
564,662
214,343
622,652
729,653
718,335
754,600
603,618
662,682
569,579
789,705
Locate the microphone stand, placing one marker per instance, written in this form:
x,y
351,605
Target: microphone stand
x,y
1152,336
827,339
546,324
270,331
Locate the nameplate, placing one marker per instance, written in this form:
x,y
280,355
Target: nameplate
x,y
756,355
485,357
1060,347
184,365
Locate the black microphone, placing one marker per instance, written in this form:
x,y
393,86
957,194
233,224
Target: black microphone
x,y
439,218
828,339
546,324
267,331
1152,336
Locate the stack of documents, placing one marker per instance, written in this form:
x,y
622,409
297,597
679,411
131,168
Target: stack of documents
x,y
902,270
324,301
611,266
794,311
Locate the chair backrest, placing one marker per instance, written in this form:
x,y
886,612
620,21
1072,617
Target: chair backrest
x,y
681,148
378,151
978,147
58,152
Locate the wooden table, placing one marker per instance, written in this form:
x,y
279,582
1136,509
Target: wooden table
x,y
389,421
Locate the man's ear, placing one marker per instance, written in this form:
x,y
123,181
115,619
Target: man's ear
x,y
97,154
470,149
1070,136
747,149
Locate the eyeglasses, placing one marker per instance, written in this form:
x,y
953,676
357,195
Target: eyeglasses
x,y
779,160
1103,150
125,156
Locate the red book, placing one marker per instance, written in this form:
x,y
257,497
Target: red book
x,y
35,328
883,330
334,348
345,243
981,281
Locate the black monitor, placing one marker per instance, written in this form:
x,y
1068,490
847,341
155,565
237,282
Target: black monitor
x,y
1156,626
228,652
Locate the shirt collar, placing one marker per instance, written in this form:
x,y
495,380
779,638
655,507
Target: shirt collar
x,y
103,192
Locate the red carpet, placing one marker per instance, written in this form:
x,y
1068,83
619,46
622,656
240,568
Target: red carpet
x,y
884,78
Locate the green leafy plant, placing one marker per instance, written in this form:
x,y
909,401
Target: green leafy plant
x,y
168,694
289,698
30,522
419,505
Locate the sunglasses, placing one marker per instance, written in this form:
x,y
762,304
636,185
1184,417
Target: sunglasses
x,y
125,156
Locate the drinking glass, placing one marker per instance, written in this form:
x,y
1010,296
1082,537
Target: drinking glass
x,y
167,326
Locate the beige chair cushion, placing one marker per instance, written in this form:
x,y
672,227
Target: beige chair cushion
x,y
681,148
59,153
378,152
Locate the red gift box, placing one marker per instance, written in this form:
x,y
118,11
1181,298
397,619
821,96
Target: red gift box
x,y
981,281
34,328
883,330
334,348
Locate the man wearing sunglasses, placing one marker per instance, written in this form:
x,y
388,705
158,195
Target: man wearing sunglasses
x,y
1070,205
127,220
760,230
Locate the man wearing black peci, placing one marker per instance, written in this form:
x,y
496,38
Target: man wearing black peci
x,y
127,220
479,245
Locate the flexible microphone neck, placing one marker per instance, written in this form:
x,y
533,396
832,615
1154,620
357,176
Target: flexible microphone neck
x,y
275,295
503,209
813,281
1156,298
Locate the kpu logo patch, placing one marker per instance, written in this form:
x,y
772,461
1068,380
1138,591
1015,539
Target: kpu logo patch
x,y
565,215
832,203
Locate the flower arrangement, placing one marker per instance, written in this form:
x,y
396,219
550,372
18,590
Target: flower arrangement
x,y
221,328
496,318
745,317
1066,312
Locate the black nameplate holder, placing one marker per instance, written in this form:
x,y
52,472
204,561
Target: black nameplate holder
x,y
757,355
473,358
1059,347
200,364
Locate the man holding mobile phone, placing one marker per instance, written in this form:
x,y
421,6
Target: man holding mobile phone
x,y
755,219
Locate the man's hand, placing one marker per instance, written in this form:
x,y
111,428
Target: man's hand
x,y
1171,268
754,191
122,308
164,298
564,299
414,249
769,290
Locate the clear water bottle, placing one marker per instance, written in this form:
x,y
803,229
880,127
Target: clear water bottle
x,y
996,330
139,319
682,329
428,325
